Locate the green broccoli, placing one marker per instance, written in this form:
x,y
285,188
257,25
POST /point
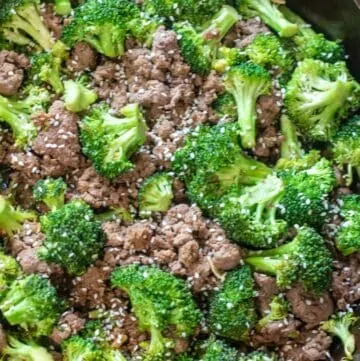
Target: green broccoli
x,y
196,12
25,351
63,7
347,237
109,140
319,95
258,356
339,325
114,213
102,24
312,45
216,350
246,82
248,214
155,194
270,14
268,51
159,301
51,192
21,23
9,271
279,310
199,46
232,312
73,237
212,161
77,348
78,97
225,106
12,218
305,259
228,57
32,303
308,180
345,147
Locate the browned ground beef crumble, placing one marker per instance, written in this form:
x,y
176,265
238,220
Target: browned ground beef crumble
x,y
181,241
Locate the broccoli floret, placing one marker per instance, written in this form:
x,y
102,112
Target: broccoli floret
x,y
215,350
51,192
312,45
21,23
63,7
248,214
279,310
114,213
232,312
225,106
270,14
339,325
212,161
12,218
258,356
305,259
73,237
79,348
78,97
46,67
109,140
159,300
246,82
199,47
268,51
308,180
196,12
17,114
345,147
27,351
228,57
9,271
348,235
155,194
101,24
32,303
318,96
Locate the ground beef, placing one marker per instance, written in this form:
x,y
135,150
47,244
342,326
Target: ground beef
x,y
276,333
267,289
69,324
183,242
51,20
58,144
82,57
346,282
311,309
12,67
310,346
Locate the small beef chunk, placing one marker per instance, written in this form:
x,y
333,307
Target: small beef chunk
x,y
276,333
267,289
3,339
28,237
311,309
83,57
310,346
138,236
346,282
58,144
30,262
51,20
12,67
99,192
226,256
268,110
69,324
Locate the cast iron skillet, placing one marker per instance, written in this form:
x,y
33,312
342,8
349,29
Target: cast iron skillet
x,y
339,19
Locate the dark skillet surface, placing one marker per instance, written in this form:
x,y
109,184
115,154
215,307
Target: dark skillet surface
x,y
339,19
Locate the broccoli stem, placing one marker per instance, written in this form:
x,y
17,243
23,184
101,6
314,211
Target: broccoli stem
x,y
21,351
342,331
156,346
290,146
304,28
28,20
267,265
221,23
273,17
63,7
